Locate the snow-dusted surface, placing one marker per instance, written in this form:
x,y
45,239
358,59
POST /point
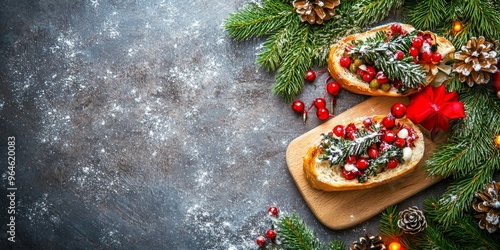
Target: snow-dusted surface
x,y
141,125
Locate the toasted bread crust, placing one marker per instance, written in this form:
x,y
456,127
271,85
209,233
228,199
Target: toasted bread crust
x,y
352,83
323,177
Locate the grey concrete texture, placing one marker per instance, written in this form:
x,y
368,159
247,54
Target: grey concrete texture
x,y
141,125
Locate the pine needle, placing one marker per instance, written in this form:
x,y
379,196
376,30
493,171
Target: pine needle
x,y
296,234
427,14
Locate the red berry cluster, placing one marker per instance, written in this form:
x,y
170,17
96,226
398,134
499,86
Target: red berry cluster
x,y
270,234
390,134
322,112
421,50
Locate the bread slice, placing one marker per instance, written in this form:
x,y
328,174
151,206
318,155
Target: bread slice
x,y
353,83
324,177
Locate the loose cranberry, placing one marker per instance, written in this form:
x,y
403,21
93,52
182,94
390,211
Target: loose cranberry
x,y
271,234
367,122
310,75
413,51
417,42
319,102
396,28
436,57
371,70
382,77
367,77
261,241
399,55
398,110
273,210
333,88
427,56
349,175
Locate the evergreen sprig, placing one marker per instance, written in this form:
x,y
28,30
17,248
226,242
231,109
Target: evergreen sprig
x,y
373,11
427,14
462,234
296,234
381,51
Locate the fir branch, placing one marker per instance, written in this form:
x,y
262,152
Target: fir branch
x,y
427,14
273,49
484,17
297,59
389,222
459,194
296,234
255,20
368,12
336,245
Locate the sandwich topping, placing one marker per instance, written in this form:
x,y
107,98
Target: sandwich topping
x,y
369,148
393,59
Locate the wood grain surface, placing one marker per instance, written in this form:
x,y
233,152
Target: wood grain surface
x,y
344,209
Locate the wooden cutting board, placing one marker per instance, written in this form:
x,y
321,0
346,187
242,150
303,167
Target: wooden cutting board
x,y
344,209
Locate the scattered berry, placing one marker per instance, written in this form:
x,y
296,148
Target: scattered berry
x,y
261,241
349,175
345,61
298,106
427,56
351,159
319,103
382,77
322,113
310,75
400,142
372,153
398,110
273,210
367,77
271,234
333,88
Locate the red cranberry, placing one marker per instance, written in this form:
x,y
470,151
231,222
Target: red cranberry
x,y
388,122
372,153
362,163
393,163
436,57
389,136
345,61
333,88
351,159
349,175
261,241
417,42
400,142
413,51
339,131
396,28
398,110
271,234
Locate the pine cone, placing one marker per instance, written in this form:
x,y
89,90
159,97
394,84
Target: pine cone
x,y
487,206
368,242
315,11
412,220
476,62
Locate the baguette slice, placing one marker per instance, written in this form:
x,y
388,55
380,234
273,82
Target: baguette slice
x,y
352,83
324,177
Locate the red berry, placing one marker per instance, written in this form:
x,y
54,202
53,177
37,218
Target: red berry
x,y
393,163
436,57
413,51
298,106
322,113
273,210
400,142
397,83
349,175
271,234
389,136
333,88
398,110
367,122
310,75
339,131
388,122
371,70
261,241
382,78
319,103
395,28
399,55
362,163
350,131
427,56
351,159
373,153
367,77
345,61
417,42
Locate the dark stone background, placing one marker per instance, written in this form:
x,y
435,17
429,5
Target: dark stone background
x,y
141,125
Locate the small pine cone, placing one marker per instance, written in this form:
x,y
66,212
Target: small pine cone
x,y
368,242
487,206
476,62
315,11
412,220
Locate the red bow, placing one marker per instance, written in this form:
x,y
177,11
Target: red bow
x,y
433,108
